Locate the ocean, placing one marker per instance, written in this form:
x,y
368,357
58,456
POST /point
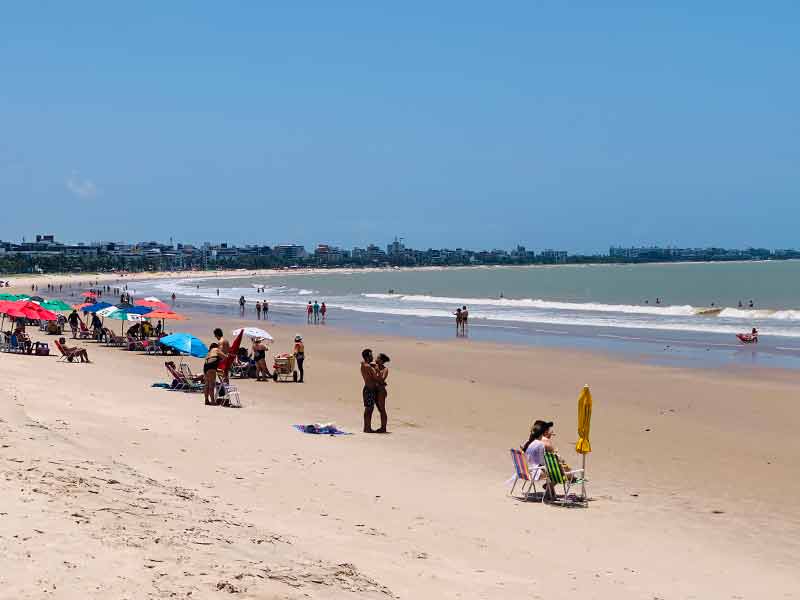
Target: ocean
x,y
680,303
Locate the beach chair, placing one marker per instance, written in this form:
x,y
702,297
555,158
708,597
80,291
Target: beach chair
x,y
12,345
134,344
84,333
114,340
522,473
66,356
228,395
556,475
186,371
180,382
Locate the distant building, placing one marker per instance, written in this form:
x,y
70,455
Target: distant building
x,y
289,251
554,256
395,249
329,255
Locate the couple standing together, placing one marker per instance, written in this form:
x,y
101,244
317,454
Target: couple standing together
x,y
375,373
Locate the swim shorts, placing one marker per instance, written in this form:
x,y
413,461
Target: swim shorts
x,y
369,396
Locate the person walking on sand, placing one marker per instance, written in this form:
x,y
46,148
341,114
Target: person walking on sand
x,y
299,352
258,310
309,312
369,393
316,312
73,323
382,374
323,310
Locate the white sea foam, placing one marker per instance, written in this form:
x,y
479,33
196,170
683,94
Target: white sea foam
x,y
785,323
685,310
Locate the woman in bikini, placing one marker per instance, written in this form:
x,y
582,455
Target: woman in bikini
x,y
260,356
381,374
213,359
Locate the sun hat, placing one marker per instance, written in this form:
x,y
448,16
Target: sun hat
x,y
298,338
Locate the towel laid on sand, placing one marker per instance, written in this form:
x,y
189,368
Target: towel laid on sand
x,y
320,429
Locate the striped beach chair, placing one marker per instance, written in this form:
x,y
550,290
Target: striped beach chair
x,y
522,473
556,475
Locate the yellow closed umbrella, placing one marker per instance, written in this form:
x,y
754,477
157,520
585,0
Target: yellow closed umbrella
x,y
584,420
582,446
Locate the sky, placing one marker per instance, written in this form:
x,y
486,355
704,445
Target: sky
x,y
451,124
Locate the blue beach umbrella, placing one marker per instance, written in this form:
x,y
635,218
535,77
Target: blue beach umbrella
x,y
93,308
186,343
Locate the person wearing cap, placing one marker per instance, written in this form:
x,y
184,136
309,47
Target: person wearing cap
x,y
299,354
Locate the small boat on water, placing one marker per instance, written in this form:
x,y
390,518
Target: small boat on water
x,y
709,311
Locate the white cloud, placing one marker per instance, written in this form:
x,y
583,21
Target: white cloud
x,y
82,187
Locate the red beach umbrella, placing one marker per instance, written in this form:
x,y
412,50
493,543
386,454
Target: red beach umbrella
x,y
154,304
234,349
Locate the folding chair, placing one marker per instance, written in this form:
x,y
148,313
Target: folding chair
x,y
228,395
556,475
522,472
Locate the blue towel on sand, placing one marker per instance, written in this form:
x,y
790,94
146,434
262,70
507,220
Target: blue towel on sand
x,y
317,429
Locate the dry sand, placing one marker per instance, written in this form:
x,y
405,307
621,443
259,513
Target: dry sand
x,y
113,489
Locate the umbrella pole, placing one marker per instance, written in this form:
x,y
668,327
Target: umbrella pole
x,y
583,480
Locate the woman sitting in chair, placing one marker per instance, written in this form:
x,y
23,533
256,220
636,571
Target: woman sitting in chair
x,y
75,352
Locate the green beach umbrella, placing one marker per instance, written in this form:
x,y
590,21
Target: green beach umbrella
x,y
56,305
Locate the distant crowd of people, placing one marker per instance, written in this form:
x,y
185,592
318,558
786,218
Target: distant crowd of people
x,y
316,313
462,316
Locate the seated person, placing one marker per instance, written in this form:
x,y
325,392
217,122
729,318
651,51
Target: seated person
x,y
23,341
74,352
534,449
135,330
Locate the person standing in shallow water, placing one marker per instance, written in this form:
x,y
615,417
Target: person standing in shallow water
x,y
258,310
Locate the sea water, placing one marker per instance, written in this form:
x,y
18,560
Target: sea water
x,y
683,297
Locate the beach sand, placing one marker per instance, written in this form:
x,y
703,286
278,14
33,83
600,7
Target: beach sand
x,y
114,489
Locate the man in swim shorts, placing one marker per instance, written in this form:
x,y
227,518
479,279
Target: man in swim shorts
x,y
370,392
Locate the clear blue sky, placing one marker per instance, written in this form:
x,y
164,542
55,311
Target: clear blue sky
x,y
551,124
